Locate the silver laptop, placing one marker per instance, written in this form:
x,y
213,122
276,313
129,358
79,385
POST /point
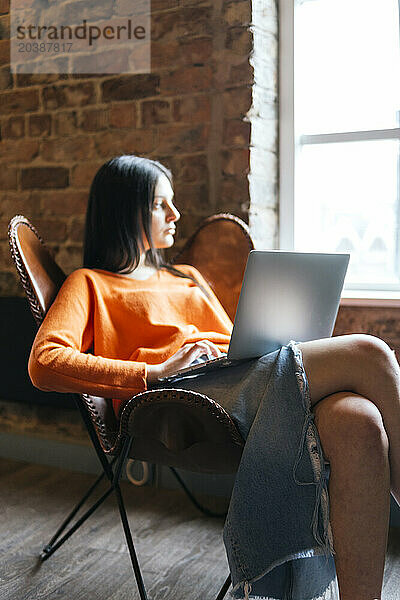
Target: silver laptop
x,y
285,296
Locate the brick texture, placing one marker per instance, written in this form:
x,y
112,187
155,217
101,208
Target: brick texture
x,y
44,178
14,127
4,52
193,111
6,80
39,125
61,96
19,101
122,115
4,6
130,87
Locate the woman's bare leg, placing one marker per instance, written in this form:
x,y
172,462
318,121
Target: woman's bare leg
x,y
357,442
366,366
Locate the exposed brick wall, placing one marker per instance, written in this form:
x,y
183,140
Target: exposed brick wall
x,y
189,112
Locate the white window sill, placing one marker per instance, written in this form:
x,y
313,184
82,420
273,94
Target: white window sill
x,y
370,298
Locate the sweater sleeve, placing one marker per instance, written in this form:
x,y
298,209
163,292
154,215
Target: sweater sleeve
x,y
59,359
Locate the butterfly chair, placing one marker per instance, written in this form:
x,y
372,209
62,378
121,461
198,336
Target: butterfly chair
x,y
172,427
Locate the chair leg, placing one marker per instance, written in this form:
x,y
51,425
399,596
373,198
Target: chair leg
x,y
49,550
130,544
203,509
48,547
224,588
114,478
124,518
73,512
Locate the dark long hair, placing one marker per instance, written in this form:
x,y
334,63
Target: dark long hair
x,y
120,203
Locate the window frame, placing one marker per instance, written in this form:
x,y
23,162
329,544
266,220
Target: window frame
x,y
290,144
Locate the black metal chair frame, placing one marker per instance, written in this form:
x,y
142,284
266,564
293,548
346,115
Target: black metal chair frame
x,y
112,469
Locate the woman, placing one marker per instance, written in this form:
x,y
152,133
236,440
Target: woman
x,y
127,318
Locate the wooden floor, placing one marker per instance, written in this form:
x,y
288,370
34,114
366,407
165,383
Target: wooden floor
x,y
181,551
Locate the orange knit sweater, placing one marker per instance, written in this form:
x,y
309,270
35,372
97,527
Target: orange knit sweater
x,y
104,328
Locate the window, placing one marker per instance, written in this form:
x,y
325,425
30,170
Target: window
x,y
340,135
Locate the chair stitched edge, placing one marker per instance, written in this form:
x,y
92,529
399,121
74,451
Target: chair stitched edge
x,y
109,440
34,304
193,399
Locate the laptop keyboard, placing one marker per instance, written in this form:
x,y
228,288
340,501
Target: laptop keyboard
x,y
204,360
197,364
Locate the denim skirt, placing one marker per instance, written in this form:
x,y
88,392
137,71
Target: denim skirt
x,y
277,533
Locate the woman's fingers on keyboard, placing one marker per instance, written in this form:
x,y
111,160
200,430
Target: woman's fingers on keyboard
x,y
197,349
215,351
209,349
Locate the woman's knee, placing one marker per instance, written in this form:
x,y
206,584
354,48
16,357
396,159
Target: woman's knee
x,y
370,350
370,344
375,363
354,362
348,423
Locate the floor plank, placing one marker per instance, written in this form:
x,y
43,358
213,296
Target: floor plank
x,y
180,551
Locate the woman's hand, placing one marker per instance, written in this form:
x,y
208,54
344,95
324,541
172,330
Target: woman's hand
x,y
181,359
